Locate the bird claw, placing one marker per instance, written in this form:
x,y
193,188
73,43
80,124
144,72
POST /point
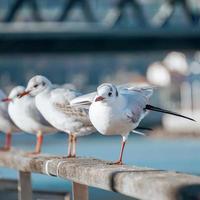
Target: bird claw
x,y
119,162
34,153
71,156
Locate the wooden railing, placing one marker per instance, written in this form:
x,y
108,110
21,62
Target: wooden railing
x,y
137,182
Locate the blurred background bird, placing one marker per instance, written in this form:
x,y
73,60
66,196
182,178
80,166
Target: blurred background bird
x,y
7,126
27,117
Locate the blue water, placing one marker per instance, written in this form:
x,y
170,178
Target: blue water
x,y
178,155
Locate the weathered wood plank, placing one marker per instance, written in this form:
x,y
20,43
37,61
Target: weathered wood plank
x,y
24,186
80,192
138,182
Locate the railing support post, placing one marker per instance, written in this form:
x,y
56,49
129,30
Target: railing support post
x,y
79,191
24,186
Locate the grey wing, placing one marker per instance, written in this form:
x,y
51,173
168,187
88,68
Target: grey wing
x,y
75,113
146,91
136,103
61,100
83,101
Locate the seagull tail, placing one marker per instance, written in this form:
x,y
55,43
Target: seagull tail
x,y
138,132
153,108
144,128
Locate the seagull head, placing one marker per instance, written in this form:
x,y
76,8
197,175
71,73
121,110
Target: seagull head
x,y
106,93
36,85
14,94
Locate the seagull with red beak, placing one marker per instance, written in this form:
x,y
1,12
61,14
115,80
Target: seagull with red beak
x,y
53,103
118,111
27,117
6,123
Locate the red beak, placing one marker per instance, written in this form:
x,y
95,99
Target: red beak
x,y
99,98
6,100
24,93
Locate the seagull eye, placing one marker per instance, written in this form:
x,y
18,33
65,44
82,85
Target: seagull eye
x,y
35,86
18,95
110,94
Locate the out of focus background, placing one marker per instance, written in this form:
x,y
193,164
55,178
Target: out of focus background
x,y
88,42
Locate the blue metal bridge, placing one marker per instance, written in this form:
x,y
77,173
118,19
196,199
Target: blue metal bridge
x,y
107,33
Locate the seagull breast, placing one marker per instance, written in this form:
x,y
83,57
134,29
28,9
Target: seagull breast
x,y
109,119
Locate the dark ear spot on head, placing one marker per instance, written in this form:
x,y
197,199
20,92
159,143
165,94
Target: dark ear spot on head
x,y
43,83
117,93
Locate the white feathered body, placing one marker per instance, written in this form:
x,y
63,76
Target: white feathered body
x,y
6,123
27,117
121,116
54,106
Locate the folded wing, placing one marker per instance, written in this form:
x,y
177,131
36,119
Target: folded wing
x,y
137,99
83,101
61,100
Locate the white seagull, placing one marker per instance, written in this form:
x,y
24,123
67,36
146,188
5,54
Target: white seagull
x,y
53,103
118,111
27,117
6,124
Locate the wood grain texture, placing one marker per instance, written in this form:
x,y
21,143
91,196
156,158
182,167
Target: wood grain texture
x,y
80,191
138,182
24,186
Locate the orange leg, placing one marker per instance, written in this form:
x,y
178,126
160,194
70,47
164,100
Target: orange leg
x,y
119,162
38,144
8,141
7,144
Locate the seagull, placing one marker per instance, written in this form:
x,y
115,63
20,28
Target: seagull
x,y
6,124
27,117
118,111
53,102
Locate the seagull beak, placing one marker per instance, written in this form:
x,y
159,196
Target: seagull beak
x,y
99,98
6,99
24,93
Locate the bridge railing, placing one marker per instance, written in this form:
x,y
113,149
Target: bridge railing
x,y
137,182
98,33
114,11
